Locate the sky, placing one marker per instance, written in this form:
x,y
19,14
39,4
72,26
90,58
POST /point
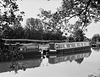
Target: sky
x,y
32,8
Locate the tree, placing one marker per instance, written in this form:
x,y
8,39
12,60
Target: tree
x,y
78,35
34,29
18,32
50,20
9,14
53,35
85,12
96,38
14,32
8,34
71,39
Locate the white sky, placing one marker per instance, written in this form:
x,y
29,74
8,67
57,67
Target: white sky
x,y
31,9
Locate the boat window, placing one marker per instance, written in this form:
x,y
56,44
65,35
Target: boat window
x,y
81,44
73,45
68,45
84,44
59,46
78,44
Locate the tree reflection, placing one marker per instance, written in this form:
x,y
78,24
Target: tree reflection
x,y
6,55
96,48
79,61
17,66
34,61
94,75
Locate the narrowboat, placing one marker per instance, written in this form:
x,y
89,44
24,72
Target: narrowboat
x,y
67,46
29,48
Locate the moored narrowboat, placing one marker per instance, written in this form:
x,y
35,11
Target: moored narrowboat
x,y
54,47
29,48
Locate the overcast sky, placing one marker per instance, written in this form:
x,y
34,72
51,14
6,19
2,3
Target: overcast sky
x,y
31,9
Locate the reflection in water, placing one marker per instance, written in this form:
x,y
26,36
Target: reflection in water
x,y
38,60
96,48
44,61
94,75
20,64
78,57
79,60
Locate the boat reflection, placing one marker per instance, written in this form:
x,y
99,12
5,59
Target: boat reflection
x,y
32,61
77,56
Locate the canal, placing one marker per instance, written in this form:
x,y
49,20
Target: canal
x,y
83,63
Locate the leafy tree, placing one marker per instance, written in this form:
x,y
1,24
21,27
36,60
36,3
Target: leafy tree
x,y
9,14
50,20
33,23
78,35
71,39
8,34
18,32
85,11
33,29
96,38
14,32
53,35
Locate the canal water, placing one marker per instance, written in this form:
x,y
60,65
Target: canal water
x,y
83,63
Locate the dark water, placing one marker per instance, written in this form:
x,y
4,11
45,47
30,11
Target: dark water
x,y
83,63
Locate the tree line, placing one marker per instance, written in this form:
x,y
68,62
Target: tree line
x,y
33,29
50,26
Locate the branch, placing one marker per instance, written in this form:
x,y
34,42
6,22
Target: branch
x,y
88,3
85,22
72,16
82,10
76,15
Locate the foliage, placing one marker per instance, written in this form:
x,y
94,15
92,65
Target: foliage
x,y
96,38
50,20
71,39
36,29
78,35
18,32
53,35
9,14
34,24
83,11
33,29
8,33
